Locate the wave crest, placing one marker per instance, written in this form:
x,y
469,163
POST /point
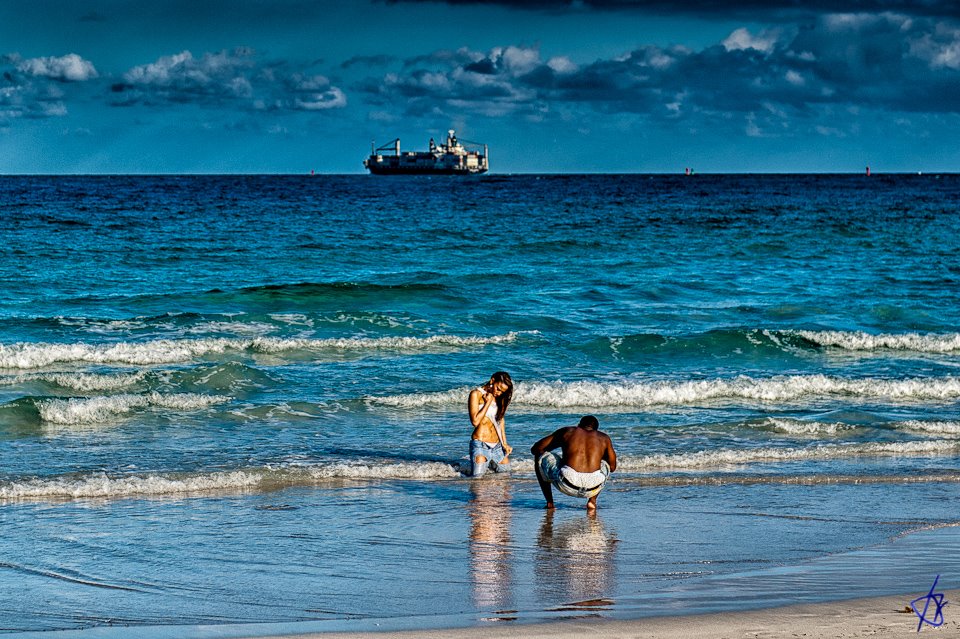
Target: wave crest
x,y
104,485
713,459
165,351
77,410
83,382
588,394
861,341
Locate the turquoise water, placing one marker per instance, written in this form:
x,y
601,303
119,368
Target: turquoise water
x,y
228,400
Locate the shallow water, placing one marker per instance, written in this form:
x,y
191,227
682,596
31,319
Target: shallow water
x,y
241,399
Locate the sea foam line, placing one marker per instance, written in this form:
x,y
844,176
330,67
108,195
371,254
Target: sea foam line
x,y
724,458
104,485
26,355
802,427
83,382
86,410
861,341
628,394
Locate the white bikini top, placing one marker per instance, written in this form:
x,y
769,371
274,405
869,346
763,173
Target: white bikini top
x,y
492,411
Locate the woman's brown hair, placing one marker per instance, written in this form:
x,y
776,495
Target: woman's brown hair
x,y
500,377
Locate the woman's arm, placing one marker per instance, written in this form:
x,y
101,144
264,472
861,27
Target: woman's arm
x,y
502,433
478,408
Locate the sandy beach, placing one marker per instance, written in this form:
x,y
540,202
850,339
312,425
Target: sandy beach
x,y
879,616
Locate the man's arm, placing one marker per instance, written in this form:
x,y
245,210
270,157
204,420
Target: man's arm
x,y
551,441
610,455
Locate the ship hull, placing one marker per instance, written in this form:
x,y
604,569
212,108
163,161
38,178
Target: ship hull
x,y
411,170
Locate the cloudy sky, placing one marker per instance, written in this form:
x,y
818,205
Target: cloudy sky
x,y
289,86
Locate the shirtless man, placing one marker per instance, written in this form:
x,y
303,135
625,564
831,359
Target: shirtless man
x,y
587,460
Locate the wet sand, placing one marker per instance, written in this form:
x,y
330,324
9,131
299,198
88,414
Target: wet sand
x,y
880,616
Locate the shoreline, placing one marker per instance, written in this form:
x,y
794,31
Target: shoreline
x,y
864,617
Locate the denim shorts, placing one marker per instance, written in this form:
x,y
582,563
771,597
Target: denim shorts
x,y
494,454
550,468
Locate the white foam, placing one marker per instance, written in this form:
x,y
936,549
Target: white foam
x,y
102,326
103,485
84,382
77,410
26,355
931,427
735,457
861,341
236,328
800,427
631,394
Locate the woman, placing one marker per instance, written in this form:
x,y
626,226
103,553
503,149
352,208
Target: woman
x,y
488,444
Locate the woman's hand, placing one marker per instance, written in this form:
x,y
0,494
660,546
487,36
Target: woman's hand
x,y
507,448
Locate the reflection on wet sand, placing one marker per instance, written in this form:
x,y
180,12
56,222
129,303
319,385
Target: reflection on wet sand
x,y
575,562
490,560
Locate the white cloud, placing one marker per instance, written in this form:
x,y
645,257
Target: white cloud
x,y
68,68
742,39
228,77
333,98
940,49
562,64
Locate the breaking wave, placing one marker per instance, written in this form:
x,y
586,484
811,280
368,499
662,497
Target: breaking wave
x,y
83,382
768,342
734,457
861,341
105,485
88,410
802,427
724,458
931,427
644,394
37,355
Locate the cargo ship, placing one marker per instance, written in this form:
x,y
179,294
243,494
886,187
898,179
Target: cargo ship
x,y
456,157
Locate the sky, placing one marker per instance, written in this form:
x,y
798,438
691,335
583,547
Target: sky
x,y
552,86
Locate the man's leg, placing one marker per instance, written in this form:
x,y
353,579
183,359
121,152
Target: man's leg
x,y
547,491
592,503
545,486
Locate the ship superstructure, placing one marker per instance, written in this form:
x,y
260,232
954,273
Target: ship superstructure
x,y
456,157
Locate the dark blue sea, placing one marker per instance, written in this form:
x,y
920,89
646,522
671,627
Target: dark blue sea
x,y
235,400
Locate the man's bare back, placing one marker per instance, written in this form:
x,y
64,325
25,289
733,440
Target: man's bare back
x,y
584,448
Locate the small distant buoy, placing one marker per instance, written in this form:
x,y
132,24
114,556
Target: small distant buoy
x,y
868,171
311,172
686,171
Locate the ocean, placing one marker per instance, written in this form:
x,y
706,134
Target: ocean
x,y
236,405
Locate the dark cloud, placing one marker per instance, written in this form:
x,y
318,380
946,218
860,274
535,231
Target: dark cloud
x,y
234,78
368,60
769,80
93,16
709,8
